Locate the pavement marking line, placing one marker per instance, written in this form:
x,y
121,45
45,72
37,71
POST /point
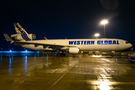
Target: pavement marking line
x,y
62,76
58,80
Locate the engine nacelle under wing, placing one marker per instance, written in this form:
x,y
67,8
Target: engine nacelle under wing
x,y
74,50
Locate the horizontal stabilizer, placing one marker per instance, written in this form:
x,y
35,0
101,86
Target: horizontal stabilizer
x,y
8,38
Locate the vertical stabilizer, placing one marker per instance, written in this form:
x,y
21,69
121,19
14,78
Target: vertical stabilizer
x,y
22,34
19,29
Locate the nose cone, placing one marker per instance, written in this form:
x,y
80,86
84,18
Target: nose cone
x,y
129,45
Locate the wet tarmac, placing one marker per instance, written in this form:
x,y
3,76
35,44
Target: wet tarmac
x,y
66,73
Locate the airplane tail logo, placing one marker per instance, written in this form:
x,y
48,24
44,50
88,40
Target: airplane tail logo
x,y
20,30
25,36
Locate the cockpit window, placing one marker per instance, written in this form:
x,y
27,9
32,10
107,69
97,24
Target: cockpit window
x,y
127,42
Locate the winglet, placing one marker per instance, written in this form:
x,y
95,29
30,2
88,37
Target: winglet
x,y
44,38
8,38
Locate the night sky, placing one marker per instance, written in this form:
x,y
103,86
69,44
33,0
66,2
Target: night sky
x,y
71,19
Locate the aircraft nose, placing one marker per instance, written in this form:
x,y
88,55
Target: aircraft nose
x,y
130,45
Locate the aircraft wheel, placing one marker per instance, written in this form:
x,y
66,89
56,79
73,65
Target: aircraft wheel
x,y
131,61
62,54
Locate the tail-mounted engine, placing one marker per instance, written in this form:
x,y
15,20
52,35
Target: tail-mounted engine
x,y
21,37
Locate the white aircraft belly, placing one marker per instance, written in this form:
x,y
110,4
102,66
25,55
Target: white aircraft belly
x,y
32,47
99,47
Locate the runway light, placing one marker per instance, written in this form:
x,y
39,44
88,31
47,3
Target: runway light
x,y
131,49
26,50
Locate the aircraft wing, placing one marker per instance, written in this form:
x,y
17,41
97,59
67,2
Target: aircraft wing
x,y
43,44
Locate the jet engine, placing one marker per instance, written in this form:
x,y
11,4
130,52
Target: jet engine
x,y
19,36
32,36
74,50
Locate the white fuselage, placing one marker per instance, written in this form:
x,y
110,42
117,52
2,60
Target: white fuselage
x,y
22,38
82,44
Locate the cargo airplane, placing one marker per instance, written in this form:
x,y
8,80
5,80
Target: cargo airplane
x,y
23,39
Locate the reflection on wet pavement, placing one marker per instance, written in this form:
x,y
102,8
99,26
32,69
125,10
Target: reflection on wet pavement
x,y
1,56
68,73
10,69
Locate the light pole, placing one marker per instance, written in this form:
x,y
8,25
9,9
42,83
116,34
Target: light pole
x,y
97,35
104,22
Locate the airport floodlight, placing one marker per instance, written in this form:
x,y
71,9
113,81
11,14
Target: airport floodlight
x,y
104,22
97,35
